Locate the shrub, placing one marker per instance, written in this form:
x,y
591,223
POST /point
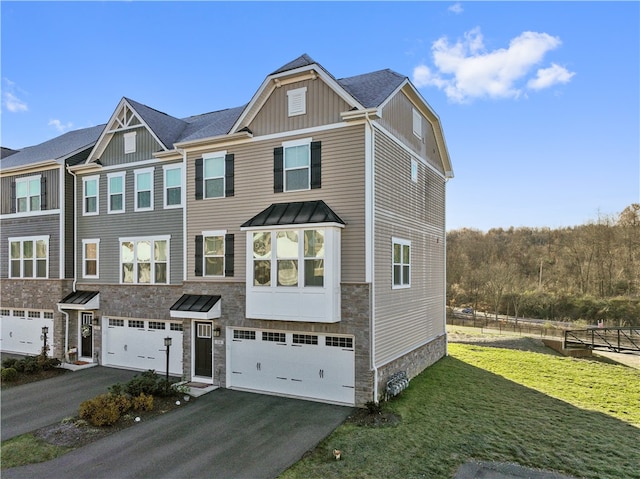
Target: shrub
x,y
31,364
9,374
9,362
105,409
145,383
144,402
46,363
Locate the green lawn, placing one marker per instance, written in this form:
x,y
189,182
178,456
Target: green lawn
x,y
576,416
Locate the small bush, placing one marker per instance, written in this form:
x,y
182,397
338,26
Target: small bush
x,y
46,363
145,383
9,362
31,364
143,402
105,409
9,374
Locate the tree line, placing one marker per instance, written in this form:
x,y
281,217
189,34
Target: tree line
x,y
586,273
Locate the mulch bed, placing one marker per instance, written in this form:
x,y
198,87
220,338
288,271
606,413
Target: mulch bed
x,y
75,432
30,378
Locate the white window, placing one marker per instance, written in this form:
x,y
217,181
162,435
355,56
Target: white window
x,y
144,189
29,257
401,263
297,101
172,186
115,186
292,249
90,204
417,123
130,142
414,171
297,165
28,194
213,175
144,260
90,252
213,254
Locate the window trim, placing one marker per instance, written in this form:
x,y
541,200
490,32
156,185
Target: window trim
x,y
165,188
292,144
402,243
27,180
21,259
86,180
137,173
209,234
221,155
135,241
84,258
110,176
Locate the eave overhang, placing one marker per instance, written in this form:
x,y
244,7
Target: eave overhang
x,y
197,306
81,301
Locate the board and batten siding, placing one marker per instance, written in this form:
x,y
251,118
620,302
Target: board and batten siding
x,y
146,145
409,317
397,117
323,107
342,190
110,227
52,192
41,225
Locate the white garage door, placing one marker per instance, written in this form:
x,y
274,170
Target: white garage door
x,y
319,367
139,344
21,332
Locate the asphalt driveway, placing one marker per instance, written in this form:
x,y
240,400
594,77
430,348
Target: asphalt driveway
x,y
32,406
224,434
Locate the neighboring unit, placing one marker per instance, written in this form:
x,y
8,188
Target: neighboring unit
x,y
292,246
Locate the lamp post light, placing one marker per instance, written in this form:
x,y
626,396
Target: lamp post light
x,y
167,343
45,330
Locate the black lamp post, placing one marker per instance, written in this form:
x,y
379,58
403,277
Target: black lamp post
x,y
45,330
167,343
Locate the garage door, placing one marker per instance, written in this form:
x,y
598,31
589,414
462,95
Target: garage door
x,y
139,344
319,367
21,331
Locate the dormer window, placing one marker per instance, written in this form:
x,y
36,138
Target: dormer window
x,y
297,101
130,142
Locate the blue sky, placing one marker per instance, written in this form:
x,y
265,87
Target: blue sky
x,y
539,101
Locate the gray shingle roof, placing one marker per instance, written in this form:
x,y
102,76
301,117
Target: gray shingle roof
x,y
210,124
371,89
302,61
166,127
56,149
297,213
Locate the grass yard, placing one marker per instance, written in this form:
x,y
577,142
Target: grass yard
x,y
576,416
27,449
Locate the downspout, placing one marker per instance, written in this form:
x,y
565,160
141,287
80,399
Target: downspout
x,y
369,244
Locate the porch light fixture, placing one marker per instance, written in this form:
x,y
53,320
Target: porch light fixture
x,y
216,332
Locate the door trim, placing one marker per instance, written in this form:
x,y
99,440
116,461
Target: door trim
x,y
92,332
194,332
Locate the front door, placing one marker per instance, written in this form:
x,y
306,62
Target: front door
x,y
203,350
86,335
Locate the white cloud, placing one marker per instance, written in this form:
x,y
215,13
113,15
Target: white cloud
x,y
547,77
456,8
466,70
58,125
12,103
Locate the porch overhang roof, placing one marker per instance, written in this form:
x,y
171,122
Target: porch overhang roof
x,y
81,301
295,213
197,306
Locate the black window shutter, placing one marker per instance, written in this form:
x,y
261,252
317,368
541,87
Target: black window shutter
x,y
199,178
13,197
43,193
228,175
316,170
228,254
199,255
278,170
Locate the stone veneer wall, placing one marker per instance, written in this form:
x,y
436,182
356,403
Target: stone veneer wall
x,y
355,310
413,362
38,294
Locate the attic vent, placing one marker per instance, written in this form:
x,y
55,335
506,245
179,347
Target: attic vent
x,y
297,101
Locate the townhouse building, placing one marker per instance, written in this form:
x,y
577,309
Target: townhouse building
x,y
294,245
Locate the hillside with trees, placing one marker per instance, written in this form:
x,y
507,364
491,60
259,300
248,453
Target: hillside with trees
x,y
585,273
